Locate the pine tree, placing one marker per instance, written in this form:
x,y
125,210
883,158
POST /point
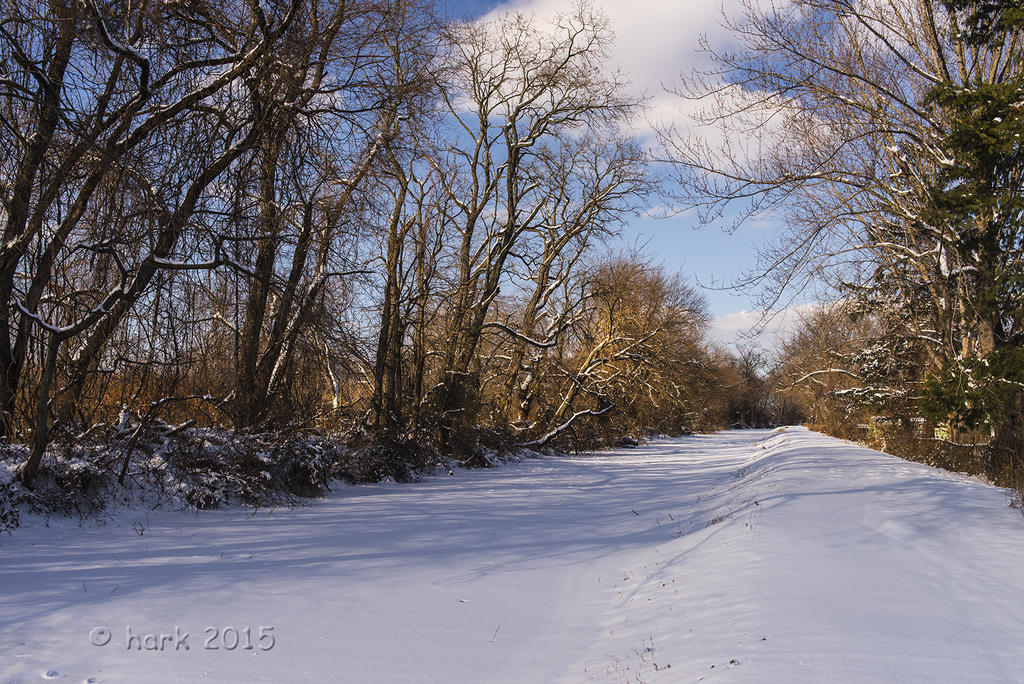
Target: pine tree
x,y
979,195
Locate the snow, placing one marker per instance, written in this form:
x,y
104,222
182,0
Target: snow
x,y
735,557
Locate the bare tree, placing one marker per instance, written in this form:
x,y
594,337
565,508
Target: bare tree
x,y
825,120
638,348
103,141
521,93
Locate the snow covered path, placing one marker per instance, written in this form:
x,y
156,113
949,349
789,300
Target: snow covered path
x,y
735,557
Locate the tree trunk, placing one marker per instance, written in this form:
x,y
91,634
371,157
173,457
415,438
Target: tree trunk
x,y
41,428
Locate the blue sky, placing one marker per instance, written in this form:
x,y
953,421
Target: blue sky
x,y
709,255
656,41
472,8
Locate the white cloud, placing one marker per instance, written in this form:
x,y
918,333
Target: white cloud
x,y
655,39
655,42
754,327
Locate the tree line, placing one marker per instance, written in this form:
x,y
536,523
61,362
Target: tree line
x,y
886,136
348,217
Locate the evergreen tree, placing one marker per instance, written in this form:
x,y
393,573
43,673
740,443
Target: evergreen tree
x,y
978,196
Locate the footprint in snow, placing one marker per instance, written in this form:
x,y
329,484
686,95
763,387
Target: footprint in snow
x,y
51,674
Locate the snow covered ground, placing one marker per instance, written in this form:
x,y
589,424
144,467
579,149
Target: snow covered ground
x,y
736,557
